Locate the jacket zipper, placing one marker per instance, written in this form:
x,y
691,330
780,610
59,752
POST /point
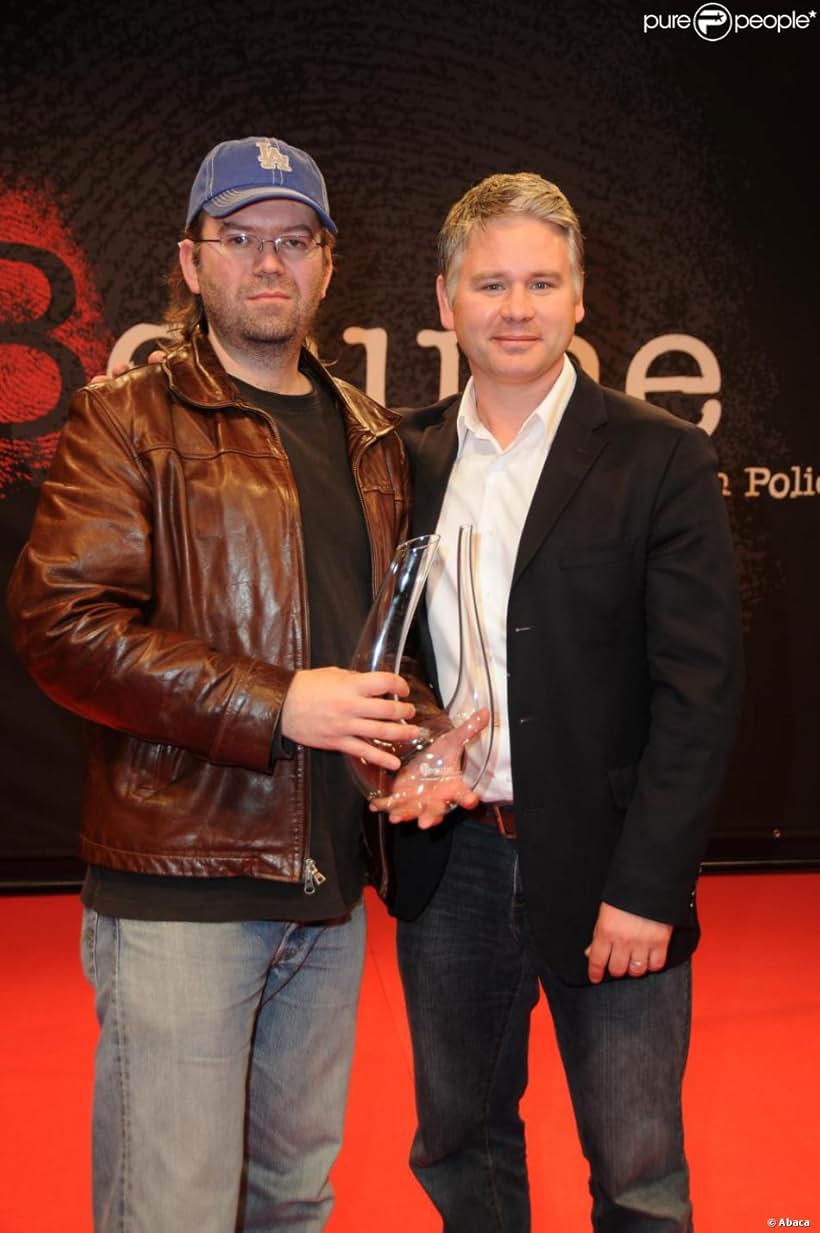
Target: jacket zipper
x,y
374,586
311,874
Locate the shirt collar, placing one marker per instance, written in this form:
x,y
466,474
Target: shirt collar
x,y
549,411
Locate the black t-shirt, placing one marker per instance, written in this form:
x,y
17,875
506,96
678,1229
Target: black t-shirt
x,y
338,572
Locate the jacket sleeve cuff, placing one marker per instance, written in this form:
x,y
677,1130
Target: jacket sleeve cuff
x,y
281,746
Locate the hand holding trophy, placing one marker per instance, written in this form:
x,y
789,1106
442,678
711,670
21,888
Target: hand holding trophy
x,y
440,768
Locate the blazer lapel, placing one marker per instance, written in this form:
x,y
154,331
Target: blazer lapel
x,y
576,446
436,455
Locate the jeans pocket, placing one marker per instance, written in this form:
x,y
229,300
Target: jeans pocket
x,y
88,945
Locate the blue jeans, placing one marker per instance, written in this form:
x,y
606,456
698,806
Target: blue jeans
x,y
471,979
221,1071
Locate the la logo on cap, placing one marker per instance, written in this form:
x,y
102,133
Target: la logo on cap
x,y
271,158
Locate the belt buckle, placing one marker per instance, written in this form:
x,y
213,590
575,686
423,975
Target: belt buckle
x,y
498,814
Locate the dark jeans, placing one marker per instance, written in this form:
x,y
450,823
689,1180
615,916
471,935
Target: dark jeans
x,y
471,977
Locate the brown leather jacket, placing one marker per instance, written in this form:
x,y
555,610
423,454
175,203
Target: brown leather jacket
x,y
162,595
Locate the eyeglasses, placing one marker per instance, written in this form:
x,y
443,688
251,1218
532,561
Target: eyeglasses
x,y
243,247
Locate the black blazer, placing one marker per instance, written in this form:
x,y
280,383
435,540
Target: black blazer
x,y
624,663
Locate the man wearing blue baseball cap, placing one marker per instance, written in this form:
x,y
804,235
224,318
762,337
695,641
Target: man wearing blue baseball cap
x,y
178,591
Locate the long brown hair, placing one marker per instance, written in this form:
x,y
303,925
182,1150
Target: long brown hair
x,y
184,310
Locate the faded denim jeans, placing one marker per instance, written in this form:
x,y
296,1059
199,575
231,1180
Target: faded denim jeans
x,y
221,1071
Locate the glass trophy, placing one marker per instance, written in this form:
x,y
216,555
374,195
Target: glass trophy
x,y
461,746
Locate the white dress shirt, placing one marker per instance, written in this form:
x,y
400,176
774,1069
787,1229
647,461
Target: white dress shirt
x,y
492,489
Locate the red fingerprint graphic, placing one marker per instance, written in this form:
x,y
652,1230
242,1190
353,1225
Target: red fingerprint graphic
x,y
52,336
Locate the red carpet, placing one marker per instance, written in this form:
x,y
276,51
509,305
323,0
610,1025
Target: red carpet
x,y
752,1092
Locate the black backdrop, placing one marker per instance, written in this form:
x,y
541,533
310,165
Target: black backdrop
x,y
692,164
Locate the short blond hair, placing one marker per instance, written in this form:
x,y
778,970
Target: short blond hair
x,y
499,196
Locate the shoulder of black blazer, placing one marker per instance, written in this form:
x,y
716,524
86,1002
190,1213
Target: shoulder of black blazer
x,y
596,405
595,417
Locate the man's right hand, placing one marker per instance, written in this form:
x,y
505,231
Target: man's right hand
x,y
333,708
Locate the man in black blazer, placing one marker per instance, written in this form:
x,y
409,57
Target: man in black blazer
x,y
606,577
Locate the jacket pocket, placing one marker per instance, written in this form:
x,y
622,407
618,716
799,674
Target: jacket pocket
x,y
154,767
601,589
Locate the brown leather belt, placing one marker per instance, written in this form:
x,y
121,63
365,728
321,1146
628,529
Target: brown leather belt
x,y
499,814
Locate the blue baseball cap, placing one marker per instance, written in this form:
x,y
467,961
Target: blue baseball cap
x,y
235,173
